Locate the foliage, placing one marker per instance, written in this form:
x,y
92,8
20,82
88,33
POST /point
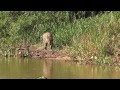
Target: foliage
x,y
85,37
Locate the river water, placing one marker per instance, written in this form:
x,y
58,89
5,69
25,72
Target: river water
x,y
18,68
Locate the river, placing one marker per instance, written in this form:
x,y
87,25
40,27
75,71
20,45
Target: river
x,y
19,68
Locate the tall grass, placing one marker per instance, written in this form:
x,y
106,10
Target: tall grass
x,y
90,37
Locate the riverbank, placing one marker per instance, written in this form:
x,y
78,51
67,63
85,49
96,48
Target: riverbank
x,y
50,54
36,52
63,55
86,40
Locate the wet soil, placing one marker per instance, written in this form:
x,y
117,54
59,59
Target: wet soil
x,y
50,54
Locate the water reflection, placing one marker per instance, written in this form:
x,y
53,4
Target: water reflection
x,y
47,68
17,68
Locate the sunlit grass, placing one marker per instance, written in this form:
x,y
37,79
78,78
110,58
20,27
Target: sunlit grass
x,y
86,38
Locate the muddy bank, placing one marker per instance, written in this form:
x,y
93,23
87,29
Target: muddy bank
x,y
61,55
64,56
50,54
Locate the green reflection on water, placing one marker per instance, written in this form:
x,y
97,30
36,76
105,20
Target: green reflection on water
x,y
18,68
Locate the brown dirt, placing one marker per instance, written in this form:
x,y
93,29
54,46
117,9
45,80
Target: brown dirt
x,y
50,54
61,55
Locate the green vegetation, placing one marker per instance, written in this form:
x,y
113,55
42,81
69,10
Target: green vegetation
x,y
96,38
